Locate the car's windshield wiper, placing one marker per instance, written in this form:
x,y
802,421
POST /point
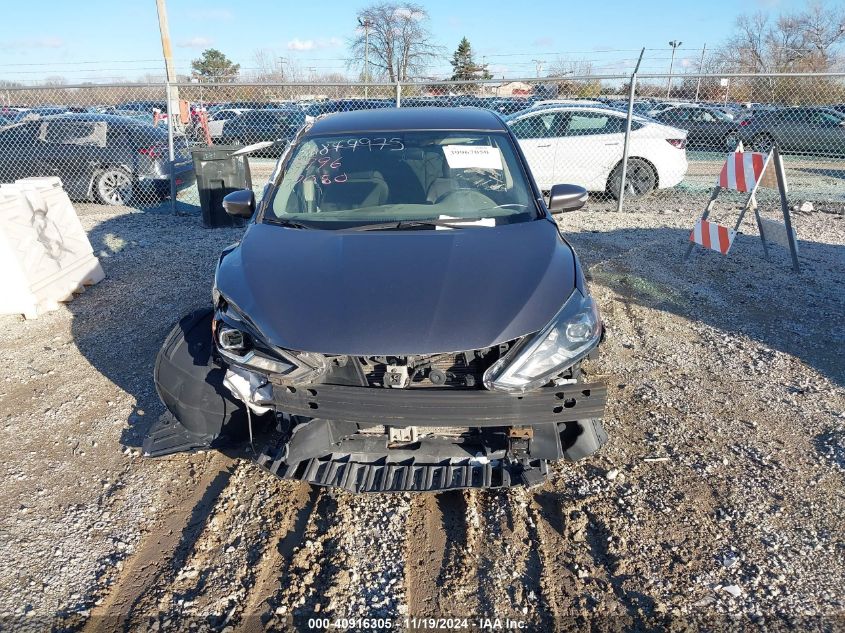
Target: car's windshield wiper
x,y
402,224
286,222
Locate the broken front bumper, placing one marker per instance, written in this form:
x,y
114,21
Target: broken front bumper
x,y
513,438
332,435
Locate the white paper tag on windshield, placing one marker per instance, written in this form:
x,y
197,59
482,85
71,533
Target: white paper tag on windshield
x,y
478,222
473,156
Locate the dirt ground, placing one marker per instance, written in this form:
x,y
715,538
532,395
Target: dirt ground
x,y
720,494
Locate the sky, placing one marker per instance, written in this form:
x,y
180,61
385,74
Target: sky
x,y
102,40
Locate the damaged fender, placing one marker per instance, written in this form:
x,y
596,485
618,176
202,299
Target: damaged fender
x,y
202,411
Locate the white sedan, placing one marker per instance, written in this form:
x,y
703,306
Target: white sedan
x,y
583,145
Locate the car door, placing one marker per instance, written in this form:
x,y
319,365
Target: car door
x,y
827,131
20,162
70,149
680,118
534,132
790,127
589,146
706,127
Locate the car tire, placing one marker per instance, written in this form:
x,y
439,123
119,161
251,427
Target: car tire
x,y
730,141
641,179
762,143
114,187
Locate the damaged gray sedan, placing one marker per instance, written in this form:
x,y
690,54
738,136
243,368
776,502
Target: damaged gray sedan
x,y
402,314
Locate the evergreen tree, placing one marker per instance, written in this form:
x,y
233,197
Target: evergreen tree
x,y
214,66
463,65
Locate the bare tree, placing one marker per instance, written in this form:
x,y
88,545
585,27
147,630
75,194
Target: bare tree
x,y
561,69
395,40
808,41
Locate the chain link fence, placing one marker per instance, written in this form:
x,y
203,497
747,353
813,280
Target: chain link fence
x,y
110,144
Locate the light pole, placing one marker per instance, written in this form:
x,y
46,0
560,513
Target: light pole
x,y
366,24
674,44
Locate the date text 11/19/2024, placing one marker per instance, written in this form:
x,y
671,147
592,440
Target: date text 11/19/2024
x,y
417,624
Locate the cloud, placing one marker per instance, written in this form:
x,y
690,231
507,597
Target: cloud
x,y
195,42
686,62
33,42
297,44
543,42
211,14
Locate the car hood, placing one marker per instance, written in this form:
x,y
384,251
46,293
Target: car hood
x,y
376,293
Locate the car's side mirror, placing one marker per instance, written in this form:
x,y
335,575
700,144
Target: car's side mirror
x,y
240,203
563,198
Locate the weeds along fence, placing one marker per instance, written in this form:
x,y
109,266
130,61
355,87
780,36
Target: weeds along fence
x,y
128,143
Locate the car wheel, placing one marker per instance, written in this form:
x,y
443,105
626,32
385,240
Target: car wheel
x,y
640,179
114,187
730,141
763,143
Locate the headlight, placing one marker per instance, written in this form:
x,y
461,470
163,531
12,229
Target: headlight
x,y
237,343
570,336
232,340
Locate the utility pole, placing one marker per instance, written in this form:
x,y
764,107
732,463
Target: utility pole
x,y
172,94
674,44
282,62
165,40
366,24
700,70
538,64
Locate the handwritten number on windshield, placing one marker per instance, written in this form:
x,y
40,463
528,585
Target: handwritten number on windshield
x,y
395,144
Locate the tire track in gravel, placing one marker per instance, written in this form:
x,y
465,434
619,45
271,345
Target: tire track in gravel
x,y
553,530
438,554
510,567
166,546
291,521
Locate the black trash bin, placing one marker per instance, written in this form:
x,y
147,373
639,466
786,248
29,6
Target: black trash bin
x,y
219,173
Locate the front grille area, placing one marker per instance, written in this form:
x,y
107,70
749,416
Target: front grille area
x,y
460,370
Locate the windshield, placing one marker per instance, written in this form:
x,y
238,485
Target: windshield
x,y
339,181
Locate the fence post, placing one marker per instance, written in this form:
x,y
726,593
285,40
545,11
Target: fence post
x,y
398,94
628,119
171,154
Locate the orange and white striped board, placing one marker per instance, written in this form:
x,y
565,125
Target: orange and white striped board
x,y
713,236
742,170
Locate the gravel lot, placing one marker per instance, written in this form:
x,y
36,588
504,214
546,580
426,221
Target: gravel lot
x,y
720,493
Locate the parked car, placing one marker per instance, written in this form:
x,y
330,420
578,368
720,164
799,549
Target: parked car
x,y
369,377
279,125
761,111
330,106
141,107
706,126
218,118
509,105
34,113
100,157
799,130
583,146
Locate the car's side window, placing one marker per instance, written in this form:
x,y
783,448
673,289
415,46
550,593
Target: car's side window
x,y
677,114
703,116
92,133
823,119
536,126
589,123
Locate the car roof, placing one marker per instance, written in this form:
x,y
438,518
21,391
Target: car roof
x,y
402,119
92,116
